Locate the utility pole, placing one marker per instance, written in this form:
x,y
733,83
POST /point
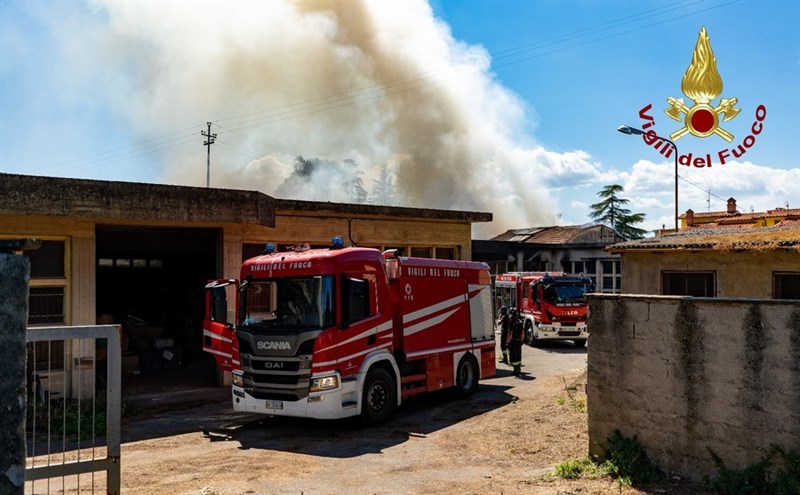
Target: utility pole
x,y
209,141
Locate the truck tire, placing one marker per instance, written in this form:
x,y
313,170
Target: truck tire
x,y
379,397
579,343
528,333
467,376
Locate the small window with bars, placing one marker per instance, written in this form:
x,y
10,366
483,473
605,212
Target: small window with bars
x,y
46,305
786,285
697,284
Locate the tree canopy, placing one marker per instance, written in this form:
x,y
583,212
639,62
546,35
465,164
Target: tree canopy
x,y
611,210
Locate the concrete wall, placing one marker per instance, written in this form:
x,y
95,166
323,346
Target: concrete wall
x,y
685,375
738,274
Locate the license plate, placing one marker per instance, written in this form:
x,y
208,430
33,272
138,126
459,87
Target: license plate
x,y
273,404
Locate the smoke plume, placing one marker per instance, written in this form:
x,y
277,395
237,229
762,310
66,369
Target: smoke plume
x,y
354,87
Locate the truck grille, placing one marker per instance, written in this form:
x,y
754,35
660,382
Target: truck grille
x,y
277,377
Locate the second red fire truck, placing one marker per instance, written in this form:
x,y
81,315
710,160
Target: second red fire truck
x,y
332,333
553,305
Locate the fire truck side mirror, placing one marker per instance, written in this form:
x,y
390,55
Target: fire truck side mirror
x,y
393,268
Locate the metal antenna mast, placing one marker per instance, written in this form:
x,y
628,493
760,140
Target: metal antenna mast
x,y
207,144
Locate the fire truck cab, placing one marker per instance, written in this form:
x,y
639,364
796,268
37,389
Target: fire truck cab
x,y
553,305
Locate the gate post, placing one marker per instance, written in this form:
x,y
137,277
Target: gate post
x,y
14,277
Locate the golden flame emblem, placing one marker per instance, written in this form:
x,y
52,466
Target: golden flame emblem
x,y
702,83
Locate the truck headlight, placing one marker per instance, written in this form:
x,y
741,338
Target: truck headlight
x,y
324,383
237,379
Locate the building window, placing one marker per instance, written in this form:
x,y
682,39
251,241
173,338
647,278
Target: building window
x,y
589,269
786,285
252,250
697,284
420,252
610,276
445,253
46,306
47,300
48,260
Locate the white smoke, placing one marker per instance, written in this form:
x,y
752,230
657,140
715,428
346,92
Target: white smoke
x,y
354,86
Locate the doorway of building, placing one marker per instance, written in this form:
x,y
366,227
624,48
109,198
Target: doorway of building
x,y
150,280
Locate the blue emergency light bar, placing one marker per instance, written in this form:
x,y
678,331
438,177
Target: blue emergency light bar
x,y
269,248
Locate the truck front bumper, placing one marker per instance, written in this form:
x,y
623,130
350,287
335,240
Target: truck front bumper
x,y
341,402
554,331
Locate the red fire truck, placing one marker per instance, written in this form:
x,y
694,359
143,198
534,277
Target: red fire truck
x,y
553,305
348,331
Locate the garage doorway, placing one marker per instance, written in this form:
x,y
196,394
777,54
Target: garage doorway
x,y
150,280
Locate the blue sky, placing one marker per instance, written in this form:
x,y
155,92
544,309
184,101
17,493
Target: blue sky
x,y
503,106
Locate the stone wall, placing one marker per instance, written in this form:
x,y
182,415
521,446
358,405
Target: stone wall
x,y
685,375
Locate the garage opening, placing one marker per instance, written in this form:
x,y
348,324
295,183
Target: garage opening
x,y
150,281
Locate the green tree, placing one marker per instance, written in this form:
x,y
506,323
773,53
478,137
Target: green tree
x,y
611,209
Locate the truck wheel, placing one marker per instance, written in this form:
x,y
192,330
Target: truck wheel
x,y
579,343
467,376
378,400
528,333
534,341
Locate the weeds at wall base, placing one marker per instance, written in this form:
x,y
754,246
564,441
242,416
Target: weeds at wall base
x,y
765,476
625,460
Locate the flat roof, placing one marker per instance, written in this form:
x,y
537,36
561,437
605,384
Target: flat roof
x,y
53,196
312,207
88,198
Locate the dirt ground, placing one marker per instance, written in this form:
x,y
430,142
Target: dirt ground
x,y
505,439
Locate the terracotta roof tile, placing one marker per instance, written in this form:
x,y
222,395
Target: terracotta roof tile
x,y
724,238
555,235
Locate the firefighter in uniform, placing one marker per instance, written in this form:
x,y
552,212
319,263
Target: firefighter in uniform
x,y
503,321
515,334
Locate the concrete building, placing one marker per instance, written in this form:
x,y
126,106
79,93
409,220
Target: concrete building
x,y
568,248
722,261
140,254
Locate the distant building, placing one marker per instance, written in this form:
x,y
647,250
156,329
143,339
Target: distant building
x,y
569,248
732,217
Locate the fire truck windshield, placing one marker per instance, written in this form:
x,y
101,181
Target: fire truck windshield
x,y
565,293
287,303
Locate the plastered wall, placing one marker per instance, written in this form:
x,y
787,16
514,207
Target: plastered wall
x,y
687,375
737,274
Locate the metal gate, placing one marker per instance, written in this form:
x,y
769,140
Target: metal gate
x,y
67,404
